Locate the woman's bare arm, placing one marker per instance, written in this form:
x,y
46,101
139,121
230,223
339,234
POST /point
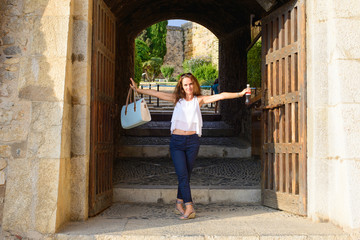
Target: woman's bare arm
x,y
221,96
161,95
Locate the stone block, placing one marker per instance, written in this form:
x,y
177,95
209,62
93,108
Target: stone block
x,y
2,177
81,83
82,10
82,39
50,36
318,177
349,10
18,150
344,192
8,40
19,196
12,50
344,32
42,79
47,7
317,132
3,163
80,131
79,188
343,83
5,151
66,132
46,189
15,120
46,118
344,131
317,11
64,193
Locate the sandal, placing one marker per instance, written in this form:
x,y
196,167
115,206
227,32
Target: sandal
x,y
190,215
177,210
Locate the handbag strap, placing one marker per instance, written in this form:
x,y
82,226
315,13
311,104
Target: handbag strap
x,y
130,92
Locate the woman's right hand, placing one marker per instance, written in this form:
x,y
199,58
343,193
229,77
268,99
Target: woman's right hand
x,y
133,85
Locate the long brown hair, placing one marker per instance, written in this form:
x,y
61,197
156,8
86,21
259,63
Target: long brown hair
x,y
179,90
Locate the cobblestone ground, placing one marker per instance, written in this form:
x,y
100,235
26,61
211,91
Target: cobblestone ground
x,y
225,173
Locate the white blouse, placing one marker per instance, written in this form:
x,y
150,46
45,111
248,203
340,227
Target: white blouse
x,y
187,116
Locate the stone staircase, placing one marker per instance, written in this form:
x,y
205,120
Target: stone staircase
x,y
225,188
223,172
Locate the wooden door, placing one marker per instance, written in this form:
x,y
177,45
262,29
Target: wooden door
x,y
102,109
284,109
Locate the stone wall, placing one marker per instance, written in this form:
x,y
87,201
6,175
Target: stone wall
x,y
333,95
189,41
44,104
174,49
199,42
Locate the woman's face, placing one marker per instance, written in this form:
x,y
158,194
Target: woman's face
x,y
188,86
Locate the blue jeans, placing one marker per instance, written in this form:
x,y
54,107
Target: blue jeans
x,y
184,150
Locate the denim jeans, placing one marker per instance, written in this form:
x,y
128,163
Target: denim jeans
x,y
184,150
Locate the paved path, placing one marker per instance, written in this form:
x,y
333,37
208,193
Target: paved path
x,y
214,172
214,221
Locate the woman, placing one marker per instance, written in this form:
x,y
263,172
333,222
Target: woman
x,y
186,124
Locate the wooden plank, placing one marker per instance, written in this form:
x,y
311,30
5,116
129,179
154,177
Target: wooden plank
x,y
282,147
281,201
286,51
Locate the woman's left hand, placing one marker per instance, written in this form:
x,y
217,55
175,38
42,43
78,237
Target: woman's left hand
x,y
133,85
242,93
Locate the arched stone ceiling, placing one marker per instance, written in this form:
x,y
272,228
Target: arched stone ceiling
x,y
222,17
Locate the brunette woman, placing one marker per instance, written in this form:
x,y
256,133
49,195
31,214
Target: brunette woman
x,y
186,125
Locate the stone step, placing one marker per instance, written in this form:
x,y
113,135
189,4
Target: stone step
x,y
211,147
213,180
221,221
162,129
200,194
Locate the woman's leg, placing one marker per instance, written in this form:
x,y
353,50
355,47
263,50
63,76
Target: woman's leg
x,y
178,155
191,152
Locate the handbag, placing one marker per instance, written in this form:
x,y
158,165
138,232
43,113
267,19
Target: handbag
x,y
135,113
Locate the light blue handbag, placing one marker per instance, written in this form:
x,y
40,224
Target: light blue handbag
x,y
135,113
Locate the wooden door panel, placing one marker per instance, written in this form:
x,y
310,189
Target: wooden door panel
x,y
102,106
284,109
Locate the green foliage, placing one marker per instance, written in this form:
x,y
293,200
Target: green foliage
x,y
157,36
138,68
152,67
172,79
149,46
192,64
202,69
167,71
254,65
142,50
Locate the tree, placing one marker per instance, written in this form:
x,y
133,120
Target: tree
x,y
142,54
150,43
152,67
157,36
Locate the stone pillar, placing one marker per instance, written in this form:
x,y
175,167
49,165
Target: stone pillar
x,y
35,105
333,131
80,132
233,78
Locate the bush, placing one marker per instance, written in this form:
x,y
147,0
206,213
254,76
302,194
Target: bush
x,y
202,69
192,64
152,67
206,74
167,71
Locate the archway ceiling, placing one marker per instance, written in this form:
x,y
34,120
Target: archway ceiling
x,y
220,17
